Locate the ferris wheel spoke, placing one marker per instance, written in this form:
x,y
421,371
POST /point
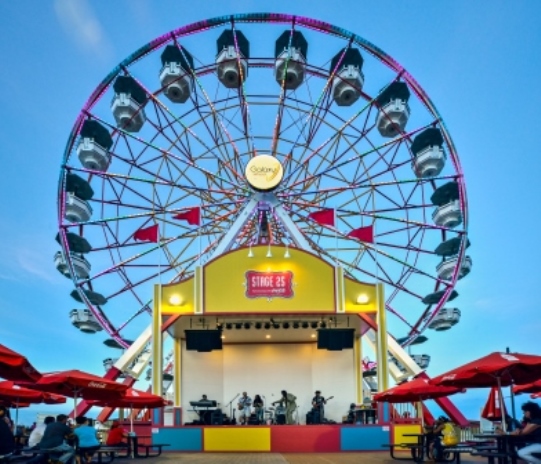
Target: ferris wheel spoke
x,y
361,155
178,119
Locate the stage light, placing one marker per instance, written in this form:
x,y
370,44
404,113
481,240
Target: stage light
x,y
275,325
285,325
267,325
305,325
362,299
247,325
250,252
286,254
269,252
258,325
238,325
313,324
267,336
296,325
229,326
219,326
175,300
223,337
322,324
313,335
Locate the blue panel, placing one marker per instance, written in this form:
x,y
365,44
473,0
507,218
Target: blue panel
x,y
364,438
181,439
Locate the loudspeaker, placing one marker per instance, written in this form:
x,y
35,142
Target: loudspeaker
x,y
335,339
217,418
281,419
203,340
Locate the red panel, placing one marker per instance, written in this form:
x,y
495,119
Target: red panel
x,y
305,439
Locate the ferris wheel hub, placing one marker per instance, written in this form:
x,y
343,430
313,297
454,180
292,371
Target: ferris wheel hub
x,y
264,172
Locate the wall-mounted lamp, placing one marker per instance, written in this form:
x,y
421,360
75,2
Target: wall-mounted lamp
x,y
286,254
362,299
250,252
269,252
176,300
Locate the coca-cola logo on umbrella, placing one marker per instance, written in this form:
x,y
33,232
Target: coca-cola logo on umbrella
x,y
269,284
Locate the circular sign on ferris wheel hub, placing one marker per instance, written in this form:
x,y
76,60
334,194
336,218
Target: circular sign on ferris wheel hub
x,y
264,172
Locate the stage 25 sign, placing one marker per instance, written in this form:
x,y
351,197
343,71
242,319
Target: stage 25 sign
x,y
269,284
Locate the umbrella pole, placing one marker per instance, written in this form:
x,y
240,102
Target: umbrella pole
x,y
513,411
504,422
131,419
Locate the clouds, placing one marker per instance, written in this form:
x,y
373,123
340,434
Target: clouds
x,y
80,23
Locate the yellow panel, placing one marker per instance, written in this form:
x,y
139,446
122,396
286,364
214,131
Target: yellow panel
x,y
182,294
359,297
237,439
400,429
226,281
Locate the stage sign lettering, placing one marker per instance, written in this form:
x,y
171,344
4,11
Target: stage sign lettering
x,y
269,284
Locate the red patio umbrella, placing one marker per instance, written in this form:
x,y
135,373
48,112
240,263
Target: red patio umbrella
x,y
14,366
132,398
494,370
535,395
79,384
495,407
534,387
416,390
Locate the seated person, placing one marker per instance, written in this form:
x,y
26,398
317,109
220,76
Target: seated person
x,y
433,437
54,436
7,440
351,414
39,430
87,439
531,433
116,435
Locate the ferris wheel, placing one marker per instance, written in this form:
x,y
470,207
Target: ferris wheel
x,y
153,180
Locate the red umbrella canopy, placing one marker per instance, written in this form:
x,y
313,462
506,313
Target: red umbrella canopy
x,y
495,407
14,366
15,394
80,384
51,398
536,395
509,368
534,387
415,390
133,399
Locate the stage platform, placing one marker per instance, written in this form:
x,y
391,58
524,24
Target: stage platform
x,y
274,439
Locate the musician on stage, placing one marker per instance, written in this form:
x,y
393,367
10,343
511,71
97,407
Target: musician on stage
x,y
259,408
244,408
318,405
290,404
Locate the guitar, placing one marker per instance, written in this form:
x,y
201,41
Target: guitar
x,y
317,406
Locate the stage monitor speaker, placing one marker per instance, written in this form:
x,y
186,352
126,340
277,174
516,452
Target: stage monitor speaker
x,y
203,340
217,418
335,339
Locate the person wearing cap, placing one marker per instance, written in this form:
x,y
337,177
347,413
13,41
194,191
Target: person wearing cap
x,y
116,435
318,405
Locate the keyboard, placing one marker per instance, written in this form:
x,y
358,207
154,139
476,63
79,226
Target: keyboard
x,y
203,404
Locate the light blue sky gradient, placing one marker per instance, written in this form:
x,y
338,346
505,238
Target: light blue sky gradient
x,y
478,61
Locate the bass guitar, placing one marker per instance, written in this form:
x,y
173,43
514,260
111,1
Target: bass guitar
x,y
317,406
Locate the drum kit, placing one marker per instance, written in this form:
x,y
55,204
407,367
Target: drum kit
x,y
275,415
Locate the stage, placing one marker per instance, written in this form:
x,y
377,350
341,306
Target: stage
x,y
274,438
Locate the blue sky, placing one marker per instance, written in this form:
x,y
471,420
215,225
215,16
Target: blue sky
x,y
478,61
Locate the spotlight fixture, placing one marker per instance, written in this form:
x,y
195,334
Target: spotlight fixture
x,y
305,325
267,325
229,326
238,325
285,325
275,325
313,324
296,325
258,325
247,325
322,324
219,326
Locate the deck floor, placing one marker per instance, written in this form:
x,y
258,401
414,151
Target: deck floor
x,y
289,458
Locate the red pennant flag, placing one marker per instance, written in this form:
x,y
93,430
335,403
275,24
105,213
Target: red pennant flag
x,y
150,234
364,234
192,216
325,217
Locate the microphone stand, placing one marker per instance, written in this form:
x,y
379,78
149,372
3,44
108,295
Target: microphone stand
x,y
230,404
